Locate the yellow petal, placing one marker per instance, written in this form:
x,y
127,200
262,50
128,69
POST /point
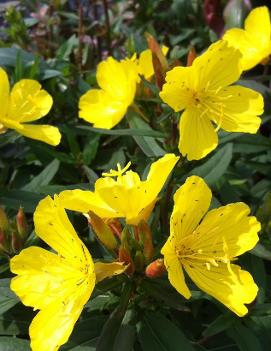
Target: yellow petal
x,y
191,202
218,67
176,91
46,133
85,201
118,79
53,326
39,277
197,135
242,106
58,287
4,93
253,42
102,109
174,268
131,197
239,39
230,285
159,173
258,23
106,270
145,65
53,226
125,196
28,102
57,284
228,225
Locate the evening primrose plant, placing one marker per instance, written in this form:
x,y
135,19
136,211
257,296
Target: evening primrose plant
x,y
148,227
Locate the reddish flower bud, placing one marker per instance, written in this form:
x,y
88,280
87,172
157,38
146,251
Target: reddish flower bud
x,y
4,224
125,257
21,222
191,56
155,269
159,60
16,242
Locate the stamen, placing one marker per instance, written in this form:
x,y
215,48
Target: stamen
x,y
118,172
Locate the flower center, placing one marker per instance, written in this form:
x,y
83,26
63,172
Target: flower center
x,y
210,257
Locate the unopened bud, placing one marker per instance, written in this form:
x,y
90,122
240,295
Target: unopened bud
x,y
145,238
16,242
125,257
21,222
2,240
115,226
159,60
191,56
103,231
139,261
155,269
4,224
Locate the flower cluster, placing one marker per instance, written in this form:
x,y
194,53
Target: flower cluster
x,y
201,243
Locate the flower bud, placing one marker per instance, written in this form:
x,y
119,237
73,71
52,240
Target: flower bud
x,y
4,224
191,56
125,257
21,223
155,269
16,242
159,60
145,238
139,261
103,231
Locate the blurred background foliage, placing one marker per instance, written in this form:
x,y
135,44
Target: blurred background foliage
x,y
60,44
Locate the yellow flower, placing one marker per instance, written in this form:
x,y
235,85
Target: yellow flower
x,y
254,41
127,196
106,107
204,245
203,92
58,284
144,62
25,103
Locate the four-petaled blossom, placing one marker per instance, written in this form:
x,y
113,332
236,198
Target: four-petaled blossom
x,y
26,102
203,92
118,80
127,196
58,284
105,107
204,245
254,41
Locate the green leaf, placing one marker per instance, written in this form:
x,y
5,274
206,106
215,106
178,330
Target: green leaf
x,y
244,338
86,332
260,251
112,326
220,324
216,166
148,145
13,344
148,132
125,338
158,333
91,149
13,199
7,298
44,177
